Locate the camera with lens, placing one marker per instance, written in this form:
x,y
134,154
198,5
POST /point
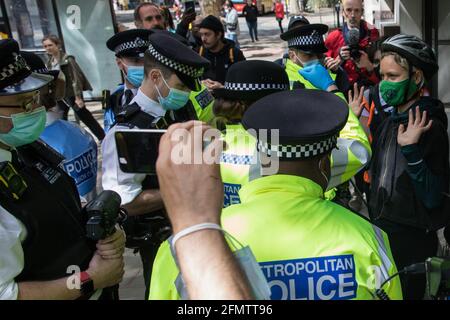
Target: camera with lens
x,y
103,213
353,43
354,52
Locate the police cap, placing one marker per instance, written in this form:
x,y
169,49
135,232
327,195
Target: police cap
x,y
37,65
129,43
251,80
15,75
308,123
186,63
307,38
296,21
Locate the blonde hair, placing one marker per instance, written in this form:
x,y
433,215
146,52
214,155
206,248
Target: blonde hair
x,y
402,62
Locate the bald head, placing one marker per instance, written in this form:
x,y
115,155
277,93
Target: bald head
x,y
353,11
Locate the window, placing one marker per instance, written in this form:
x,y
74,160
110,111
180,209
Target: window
x,y
30,21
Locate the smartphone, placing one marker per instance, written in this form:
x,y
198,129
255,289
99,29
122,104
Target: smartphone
x,y
137,150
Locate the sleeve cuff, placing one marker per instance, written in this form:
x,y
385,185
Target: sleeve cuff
x,y
412,154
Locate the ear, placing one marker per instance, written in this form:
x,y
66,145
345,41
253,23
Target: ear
x,y
154,75
119,63
419,76
291,54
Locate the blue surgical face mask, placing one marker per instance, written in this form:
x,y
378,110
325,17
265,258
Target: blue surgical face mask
x,y
311,63
135,75
176,99
27,127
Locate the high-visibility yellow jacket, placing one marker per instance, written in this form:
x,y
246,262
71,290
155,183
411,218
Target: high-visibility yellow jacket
x,y
203,102
307,247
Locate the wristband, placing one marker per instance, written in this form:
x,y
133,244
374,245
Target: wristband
x,y
195,228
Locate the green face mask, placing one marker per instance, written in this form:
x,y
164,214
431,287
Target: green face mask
x,y
27,127
394,93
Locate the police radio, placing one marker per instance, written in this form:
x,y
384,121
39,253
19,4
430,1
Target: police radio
x,y
11,183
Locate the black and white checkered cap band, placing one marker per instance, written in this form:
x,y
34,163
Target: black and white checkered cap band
x,y
314,39
138,43
255,86
12,68
298,151
43,70
184,69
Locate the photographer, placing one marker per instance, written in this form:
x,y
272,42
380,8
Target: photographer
x,y
42,231
347,46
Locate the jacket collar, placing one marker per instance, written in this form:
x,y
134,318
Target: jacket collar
x,y
280,183
148,105
5,155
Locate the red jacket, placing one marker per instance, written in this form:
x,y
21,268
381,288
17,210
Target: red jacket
x,y
279,10
335,41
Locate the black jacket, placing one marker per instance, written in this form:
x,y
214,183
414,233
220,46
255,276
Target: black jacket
x,y
250,13
221,61
408,184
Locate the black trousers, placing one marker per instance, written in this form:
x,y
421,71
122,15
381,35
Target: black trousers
x,y
253,29
280,24
410,245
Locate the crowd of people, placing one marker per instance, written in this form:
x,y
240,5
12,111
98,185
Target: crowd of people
x,y
272,216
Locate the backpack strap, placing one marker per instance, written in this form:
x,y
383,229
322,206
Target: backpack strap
x,y
231,54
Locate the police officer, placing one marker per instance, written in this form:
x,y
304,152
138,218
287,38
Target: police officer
x,y
75,144
307,247
307,47
41,225
129,47
171,72
305,69
246,82
200,104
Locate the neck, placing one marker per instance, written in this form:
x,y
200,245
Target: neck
x,y
407,105
57,55
149,90
306,169
128,85
219,46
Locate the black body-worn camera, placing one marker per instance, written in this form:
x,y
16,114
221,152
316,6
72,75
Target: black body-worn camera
x,y
103,213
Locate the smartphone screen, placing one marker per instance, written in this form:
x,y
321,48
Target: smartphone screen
x,y
137,150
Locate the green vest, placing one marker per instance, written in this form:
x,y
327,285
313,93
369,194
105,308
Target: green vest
x,y
307,247
203,102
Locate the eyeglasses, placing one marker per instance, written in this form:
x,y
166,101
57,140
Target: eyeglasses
x,y
150,18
